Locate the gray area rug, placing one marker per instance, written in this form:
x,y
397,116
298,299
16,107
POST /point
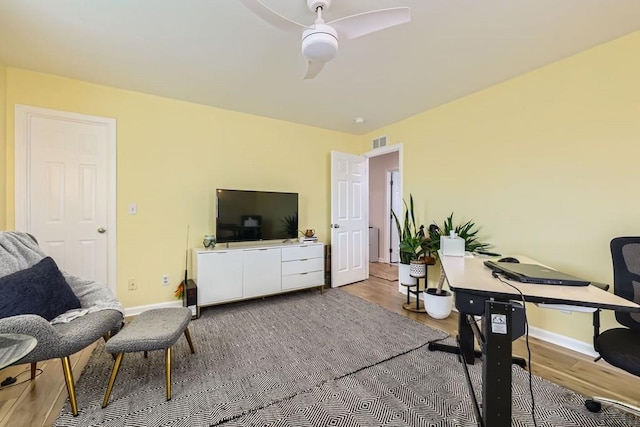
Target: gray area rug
x,y
309,359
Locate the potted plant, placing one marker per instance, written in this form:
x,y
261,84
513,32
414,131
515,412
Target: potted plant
x,y
290,225
438,302
412,245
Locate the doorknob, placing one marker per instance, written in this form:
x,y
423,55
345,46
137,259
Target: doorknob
x,y
335,225
102,230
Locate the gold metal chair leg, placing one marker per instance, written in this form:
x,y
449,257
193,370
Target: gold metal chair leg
x,y
34,369
188,336
167,356
68,378
112,379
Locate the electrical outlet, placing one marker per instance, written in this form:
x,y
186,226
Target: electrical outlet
x,y
132,284
165,280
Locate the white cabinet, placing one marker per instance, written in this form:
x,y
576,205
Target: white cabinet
x,y
224,275
221,271
261,272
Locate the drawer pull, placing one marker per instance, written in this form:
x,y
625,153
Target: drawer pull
x,y
306,259
302,274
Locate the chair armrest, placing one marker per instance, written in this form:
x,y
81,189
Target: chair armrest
x,y
29,324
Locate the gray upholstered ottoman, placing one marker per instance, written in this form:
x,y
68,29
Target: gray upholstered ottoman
x,y
156,329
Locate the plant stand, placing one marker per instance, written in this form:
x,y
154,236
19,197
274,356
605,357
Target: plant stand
x,y
414,289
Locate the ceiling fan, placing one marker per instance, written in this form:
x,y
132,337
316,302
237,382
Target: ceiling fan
x,y
320,39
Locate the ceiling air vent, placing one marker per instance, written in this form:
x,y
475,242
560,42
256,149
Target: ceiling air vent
x,y
380,141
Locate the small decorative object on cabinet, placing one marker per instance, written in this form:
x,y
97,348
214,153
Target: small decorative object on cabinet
x,y
209,241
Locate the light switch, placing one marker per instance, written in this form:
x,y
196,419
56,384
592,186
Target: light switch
x,y
133,209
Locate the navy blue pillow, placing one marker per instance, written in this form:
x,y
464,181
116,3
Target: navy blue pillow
x,y
40,290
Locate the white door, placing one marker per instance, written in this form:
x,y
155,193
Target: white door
x,y
396,205
349,218
65,186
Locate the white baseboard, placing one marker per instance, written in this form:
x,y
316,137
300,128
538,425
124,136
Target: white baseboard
x,y
134,311
550,337
562,341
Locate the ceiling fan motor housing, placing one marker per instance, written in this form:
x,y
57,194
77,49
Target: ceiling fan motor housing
x,y
320,44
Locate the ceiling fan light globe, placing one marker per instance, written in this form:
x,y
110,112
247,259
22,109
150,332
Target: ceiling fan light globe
x,y
320,44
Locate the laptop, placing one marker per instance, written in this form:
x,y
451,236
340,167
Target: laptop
x,y
534,273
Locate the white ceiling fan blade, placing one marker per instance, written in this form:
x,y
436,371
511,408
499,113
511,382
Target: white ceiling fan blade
x,y
272,17
313,70
361,24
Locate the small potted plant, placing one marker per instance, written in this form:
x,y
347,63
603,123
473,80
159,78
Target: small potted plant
x,y
438,301
412,246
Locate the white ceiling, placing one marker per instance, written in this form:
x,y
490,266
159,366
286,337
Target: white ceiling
x,y
216,52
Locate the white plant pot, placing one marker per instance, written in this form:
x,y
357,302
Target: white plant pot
x,y
438,306
418,268
404,275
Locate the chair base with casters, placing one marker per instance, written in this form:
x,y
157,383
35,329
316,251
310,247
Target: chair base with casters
x,y
595,405
620,347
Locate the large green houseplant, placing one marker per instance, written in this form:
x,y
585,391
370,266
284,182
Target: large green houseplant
x,y
467,231
412,238
413,244
438,302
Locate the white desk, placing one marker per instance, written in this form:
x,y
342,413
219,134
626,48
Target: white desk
x,y
479,293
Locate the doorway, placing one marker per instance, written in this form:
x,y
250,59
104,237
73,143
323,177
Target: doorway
x,y
385,193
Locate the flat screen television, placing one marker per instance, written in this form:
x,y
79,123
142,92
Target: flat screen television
x,y
255,215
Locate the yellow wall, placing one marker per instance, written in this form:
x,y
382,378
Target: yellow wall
x,y
3,148
171,156
546,163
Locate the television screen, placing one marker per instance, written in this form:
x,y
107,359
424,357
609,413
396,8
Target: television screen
x,y
255,215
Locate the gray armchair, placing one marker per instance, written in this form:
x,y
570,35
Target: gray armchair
x,y
99,315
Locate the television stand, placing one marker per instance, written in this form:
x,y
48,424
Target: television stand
x,y
254,271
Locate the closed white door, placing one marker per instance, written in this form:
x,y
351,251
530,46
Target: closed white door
x,y
64,188
349,218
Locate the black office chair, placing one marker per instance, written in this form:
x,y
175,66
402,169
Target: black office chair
x,y
621,346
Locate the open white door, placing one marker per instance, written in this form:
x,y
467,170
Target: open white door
x,y
349,218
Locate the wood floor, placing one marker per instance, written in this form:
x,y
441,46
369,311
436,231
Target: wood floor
x,y
38,403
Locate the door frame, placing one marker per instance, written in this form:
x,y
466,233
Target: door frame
x,y
390,225
381,152
23,115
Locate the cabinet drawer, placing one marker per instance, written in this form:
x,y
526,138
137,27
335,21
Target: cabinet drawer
x,y
303,280
302,266
302,252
